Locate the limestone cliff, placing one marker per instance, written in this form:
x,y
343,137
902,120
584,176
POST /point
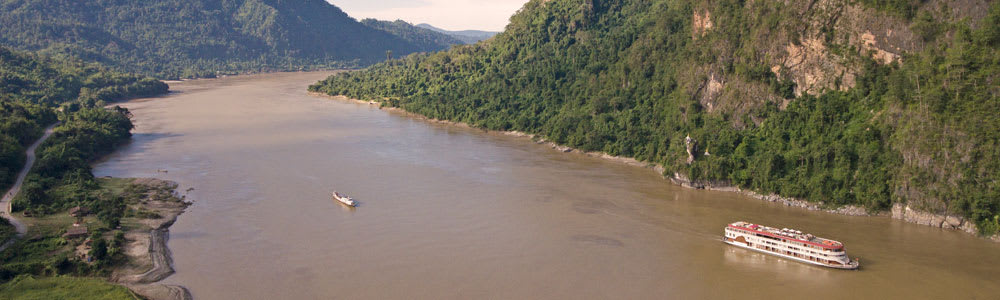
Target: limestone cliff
x,y
818,45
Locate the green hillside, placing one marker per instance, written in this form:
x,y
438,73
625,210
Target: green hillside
x,y
466,36
174,38
32,88
867,103
428,40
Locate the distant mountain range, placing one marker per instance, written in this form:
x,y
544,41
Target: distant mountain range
x,y
198,38
421,37
467,36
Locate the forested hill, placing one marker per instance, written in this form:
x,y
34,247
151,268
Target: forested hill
x,y
466,36
869,103
426,39
188,38
32,88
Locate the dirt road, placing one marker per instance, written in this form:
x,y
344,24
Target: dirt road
x,y
5,203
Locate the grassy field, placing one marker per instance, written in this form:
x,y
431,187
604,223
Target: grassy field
x,y
27,287
114,185
39,266
43,251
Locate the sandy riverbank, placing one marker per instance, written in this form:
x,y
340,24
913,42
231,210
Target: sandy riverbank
x,y
899,211
149,258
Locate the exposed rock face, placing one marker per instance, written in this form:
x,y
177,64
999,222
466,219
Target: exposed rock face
x,y
702,22
952,222
808,59
906,213
713,88
899,211
692,148
880,55
819,45
684,181
814,69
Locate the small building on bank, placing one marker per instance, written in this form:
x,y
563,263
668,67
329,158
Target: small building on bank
x,y
79,211
75,232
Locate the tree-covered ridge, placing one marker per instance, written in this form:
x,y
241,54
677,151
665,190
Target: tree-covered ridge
x,y
918,125
36,91
428,40
176,38
466,36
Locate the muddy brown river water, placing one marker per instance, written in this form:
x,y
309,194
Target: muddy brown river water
x,y
456,213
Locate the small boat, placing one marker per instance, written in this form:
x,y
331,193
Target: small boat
x,y
790,244
346,200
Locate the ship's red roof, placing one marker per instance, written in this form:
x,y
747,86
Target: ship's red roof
x,y
831,247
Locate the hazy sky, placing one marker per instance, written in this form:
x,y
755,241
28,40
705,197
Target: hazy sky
x,y
489,15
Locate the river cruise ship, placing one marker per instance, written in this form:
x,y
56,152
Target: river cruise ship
x,y
789,243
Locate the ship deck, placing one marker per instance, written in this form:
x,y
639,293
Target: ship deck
x,y
790,234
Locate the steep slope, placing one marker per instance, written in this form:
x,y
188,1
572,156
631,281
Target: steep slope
x,y
427,40
175,38
869,103
466,36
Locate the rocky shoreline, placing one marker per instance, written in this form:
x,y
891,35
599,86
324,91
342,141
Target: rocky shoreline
x,y
849,210
899,211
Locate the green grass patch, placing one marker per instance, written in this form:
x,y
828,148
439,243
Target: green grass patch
x,y
114,185
28,287
43,251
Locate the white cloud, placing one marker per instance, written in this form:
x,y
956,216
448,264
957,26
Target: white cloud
x,y
447,14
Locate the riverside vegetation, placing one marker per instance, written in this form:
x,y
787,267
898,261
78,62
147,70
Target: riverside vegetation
x,y
868,103
183,39
47,265
36,91
63,288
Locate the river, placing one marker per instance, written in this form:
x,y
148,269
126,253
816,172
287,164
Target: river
x,y
447,212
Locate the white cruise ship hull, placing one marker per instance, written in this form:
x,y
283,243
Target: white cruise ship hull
x,y
850,266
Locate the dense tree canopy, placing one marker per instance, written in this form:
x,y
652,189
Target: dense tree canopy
x,y
35,92
615,76
199,38
428,40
